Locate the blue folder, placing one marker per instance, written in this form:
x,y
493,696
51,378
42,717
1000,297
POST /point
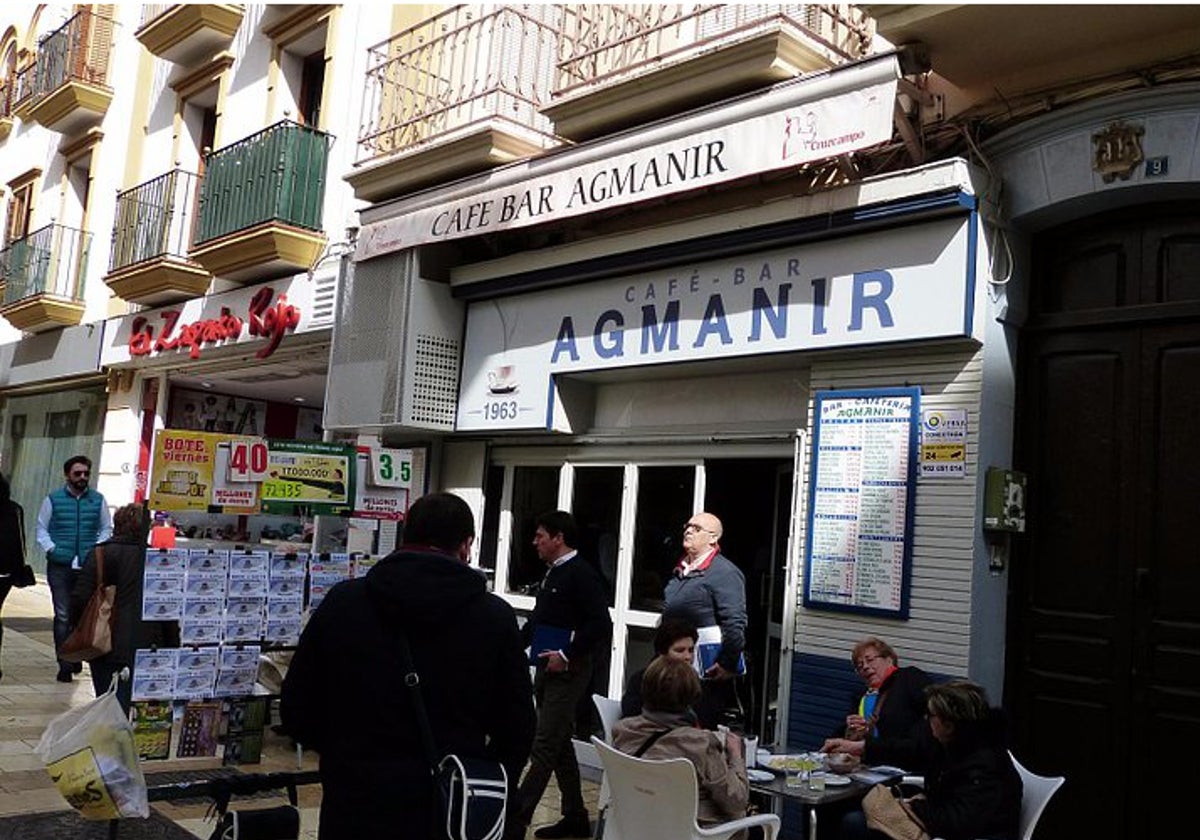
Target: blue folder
x,y
547,637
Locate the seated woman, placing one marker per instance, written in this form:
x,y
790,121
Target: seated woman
x,y
666,729
886,724
971,789
675,638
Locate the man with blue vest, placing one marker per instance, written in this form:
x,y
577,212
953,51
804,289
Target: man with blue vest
x,y
72,519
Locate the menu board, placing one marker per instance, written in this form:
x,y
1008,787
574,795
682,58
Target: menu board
x,y
864,462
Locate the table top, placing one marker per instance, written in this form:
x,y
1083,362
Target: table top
x,y
778,787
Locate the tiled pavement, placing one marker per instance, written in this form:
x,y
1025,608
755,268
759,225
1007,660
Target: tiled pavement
x,y
30,697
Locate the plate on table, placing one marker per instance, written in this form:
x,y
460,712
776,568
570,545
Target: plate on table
x,y
756,775
779,763
834,780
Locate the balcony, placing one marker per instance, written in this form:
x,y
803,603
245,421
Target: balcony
x,y
148,264
261,203
7,88
187,33
70,90
625,64
456,94
43,278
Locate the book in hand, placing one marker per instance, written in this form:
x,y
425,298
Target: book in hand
x,y
708,647
547,637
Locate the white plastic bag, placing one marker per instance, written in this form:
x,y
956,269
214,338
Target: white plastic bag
x,y
90,756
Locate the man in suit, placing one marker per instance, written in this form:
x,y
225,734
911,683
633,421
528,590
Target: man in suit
x,y
568,626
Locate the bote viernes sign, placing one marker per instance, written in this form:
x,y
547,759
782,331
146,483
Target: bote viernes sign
x,y
804,126
910,283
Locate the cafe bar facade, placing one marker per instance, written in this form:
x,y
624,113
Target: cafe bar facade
x,y
670,319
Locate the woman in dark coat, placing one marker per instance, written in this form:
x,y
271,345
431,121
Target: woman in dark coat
x,y
12,542
124,567
972,790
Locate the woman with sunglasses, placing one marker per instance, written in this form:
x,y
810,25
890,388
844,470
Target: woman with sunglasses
x,y
886,723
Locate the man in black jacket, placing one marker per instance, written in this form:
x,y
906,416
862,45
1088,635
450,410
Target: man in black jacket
x,y
344,694
569,623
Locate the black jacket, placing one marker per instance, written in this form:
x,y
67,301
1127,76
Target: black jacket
x,y
12,540
124,567
903,738
972,789
344,693
573,597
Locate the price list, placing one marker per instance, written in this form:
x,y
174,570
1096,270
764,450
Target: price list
x,y
862,479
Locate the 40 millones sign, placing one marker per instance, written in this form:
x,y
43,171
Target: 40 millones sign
x,y
315,476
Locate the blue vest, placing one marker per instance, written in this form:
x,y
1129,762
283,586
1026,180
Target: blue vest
x,y
74,524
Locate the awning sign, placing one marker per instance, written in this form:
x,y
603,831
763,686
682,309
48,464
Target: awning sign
x,y
840,112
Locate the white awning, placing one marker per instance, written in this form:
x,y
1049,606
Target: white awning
x,y
795,123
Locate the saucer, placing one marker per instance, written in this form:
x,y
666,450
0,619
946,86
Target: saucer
x,y
834,780
756,775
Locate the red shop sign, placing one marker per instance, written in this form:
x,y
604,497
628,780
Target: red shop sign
x,y
263,319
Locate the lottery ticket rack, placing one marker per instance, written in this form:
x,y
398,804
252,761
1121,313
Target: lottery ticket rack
x,y
240,612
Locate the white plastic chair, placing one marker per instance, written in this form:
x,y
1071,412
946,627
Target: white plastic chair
x,y
1035,795
656,799
610,713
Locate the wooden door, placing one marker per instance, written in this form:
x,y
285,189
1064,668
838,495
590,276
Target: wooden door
x,y
1104,628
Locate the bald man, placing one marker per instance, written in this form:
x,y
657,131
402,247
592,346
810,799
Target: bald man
x,y
708,590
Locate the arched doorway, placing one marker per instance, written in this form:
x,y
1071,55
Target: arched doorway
x,y
1103,680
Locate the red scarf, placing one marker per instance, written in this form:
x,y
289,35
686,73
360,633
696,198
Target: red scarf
x,y
680,567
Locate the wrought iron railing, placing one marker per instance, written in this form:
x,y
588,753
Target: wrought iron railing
x,y
277,174
78,51
24,86
154,219
605,41
49,261
6,97
469,65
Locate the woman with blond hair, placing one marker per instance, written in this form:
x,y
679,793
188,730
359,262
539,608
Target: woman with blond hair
x,y
124,566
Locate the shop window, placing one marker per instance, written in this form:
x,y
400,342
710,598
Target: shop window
x,y
489,529
535,491
664,503
62,424
597,510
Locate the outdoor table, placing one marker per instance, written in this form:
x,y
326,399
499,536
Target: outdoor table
x,y
811,800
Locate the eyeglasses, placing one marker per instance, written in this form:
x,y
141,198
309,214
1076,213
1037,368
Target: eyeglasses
x,y
78,474
864,662
691,527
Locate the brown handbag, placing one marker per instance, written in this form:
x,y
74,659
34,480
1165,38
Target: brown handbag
x,y
887,812
92,636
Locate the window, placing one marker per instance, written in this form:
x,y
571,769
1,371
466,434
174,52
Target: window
x,y
20,209
312,83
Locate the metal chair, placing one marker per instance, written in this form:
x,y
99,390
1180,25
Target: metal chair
x,y
656,799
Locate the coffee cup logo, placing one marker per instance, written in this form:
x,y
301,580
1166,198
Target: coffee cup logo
x,y
502,380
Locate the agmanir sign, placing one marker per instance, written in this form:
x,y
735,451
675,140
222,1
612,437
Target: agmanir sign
x,y
789,126
267,316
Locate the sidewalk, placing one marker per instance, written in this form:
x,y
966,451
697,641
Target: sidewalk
x,y
30,697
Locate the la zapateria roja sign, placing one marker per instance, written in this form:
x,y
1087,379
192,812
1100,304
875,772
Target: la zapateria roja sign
x,y
263,319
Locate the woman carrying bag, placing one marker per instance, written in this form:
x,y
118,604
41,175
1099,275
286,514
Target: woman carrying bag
x,y
124,560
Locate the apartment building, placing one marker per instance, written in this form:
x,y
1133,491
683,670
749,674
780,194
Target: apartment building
x,y
174,218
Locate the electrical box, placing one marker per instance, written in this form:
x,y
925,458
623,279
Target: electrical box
x,y
1004,501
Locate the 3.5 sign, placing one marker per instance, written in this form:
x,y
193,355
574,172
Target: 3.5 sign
x,y
391,467
248,460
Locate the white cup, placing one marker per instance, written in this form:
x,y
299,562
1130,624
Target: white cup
x,y
751,749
